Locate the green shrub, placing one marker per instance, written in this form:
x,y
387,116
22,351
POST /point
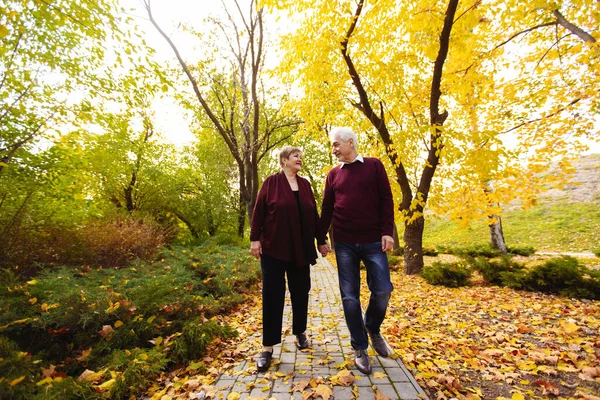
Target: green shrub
x,y
430,251
525,251
134,370
473,250
394,261
65,311
397,252
446,274
596,252
564,276
66,389
194,338
15,364
495,271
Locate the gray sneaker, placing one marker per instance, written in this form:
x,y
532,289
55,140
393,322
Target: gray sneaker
x,y
380,344
362,361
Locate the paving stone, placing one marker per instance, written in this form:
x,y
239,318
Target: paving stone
x,y
342,392
388,390
397,374
407,391
282,386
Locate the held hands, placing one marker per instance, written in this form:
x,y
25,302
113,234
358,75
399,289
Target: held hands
x,y
387,243
324,249
255,249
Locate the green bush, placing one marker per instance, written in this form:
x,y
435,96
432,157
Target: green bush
x,y
430,251
15,364
495,271
597,252
194,338
473,250
564,276
525,251
66,311
394,261
446,274
137,368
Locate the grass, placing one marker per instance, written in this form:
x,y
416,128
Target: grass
x,y
550,226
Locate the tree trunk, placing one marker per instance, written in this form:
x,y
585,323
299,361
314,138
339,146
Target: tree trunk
x,y
396,237
242,210
413,246
497,235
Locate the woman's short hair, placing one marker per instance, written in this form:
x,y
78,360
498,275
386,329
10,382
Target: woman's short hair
x,y
286,152
345,134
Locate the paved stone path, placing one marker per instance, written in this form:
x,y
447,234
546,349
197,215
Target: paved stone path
x,y
330,347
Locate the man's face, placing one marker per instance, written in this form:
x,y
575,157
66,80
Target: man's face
x,y
342,150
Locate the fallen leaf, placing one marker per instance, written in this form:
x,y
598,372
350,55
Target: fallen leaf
x,y
324,391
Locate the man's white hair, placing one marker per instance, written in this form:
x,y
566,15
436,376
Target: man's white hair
x,y
344,133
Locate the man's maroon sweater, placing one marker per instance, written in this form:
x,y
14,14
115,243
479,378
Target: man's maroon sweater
x,y
359,200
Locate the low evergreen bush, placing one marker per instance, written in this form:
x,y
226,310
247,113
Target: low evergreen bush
x,y
446,274
430,251
495,271
131,322
525,251
564,276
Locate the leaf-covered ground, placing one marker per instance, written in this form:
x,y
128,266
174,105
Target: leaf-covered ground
x,y
481,342
489,342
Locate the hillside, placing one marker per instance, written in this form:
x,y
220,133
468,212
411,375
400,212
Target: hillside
x,y
565,220
585,186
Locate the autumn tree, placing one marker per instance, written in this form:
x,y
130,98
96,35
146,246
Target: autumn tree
x,y
532,118
48,50
238,103
401,78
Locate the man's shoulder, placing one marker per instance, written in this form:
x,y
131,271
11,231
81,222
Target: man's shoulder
x,y
334,170
372,160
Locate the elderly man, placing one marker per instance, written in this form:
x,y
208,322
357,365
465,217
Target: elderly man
x,y
358,200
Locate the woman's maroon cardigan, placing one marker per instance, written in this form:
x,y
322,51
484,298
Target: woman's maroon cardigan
x,y
276,220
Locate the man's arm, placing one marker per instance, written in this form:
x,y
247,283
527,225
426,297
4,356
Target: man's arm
x,y
326,212
386,203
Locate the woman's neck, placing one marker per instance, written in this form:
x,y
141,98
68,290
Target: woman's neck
x,y
289,174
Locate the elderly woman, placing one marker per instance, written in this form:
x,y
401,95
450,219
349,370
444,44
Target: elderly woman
x,y
282,234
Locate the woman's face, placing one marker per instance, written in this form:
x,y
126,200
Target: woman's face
x,y
293,162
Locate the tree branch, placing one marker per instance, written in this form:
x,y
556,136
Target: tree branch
x,y
583,35
365,107
553,23
232,147
541,118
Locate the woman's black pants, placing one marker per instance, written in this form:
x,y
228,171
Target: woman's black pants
x,y
273,297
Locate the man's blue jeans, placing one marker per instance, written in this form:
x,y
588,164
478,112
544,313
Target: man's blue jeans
x,y
348,257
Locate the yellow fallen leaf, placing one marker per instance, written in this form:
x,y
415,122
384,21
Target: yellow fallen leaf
x,y
107,385
517,396
379,375
233,396
16,381
118,324
569,327
44,381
